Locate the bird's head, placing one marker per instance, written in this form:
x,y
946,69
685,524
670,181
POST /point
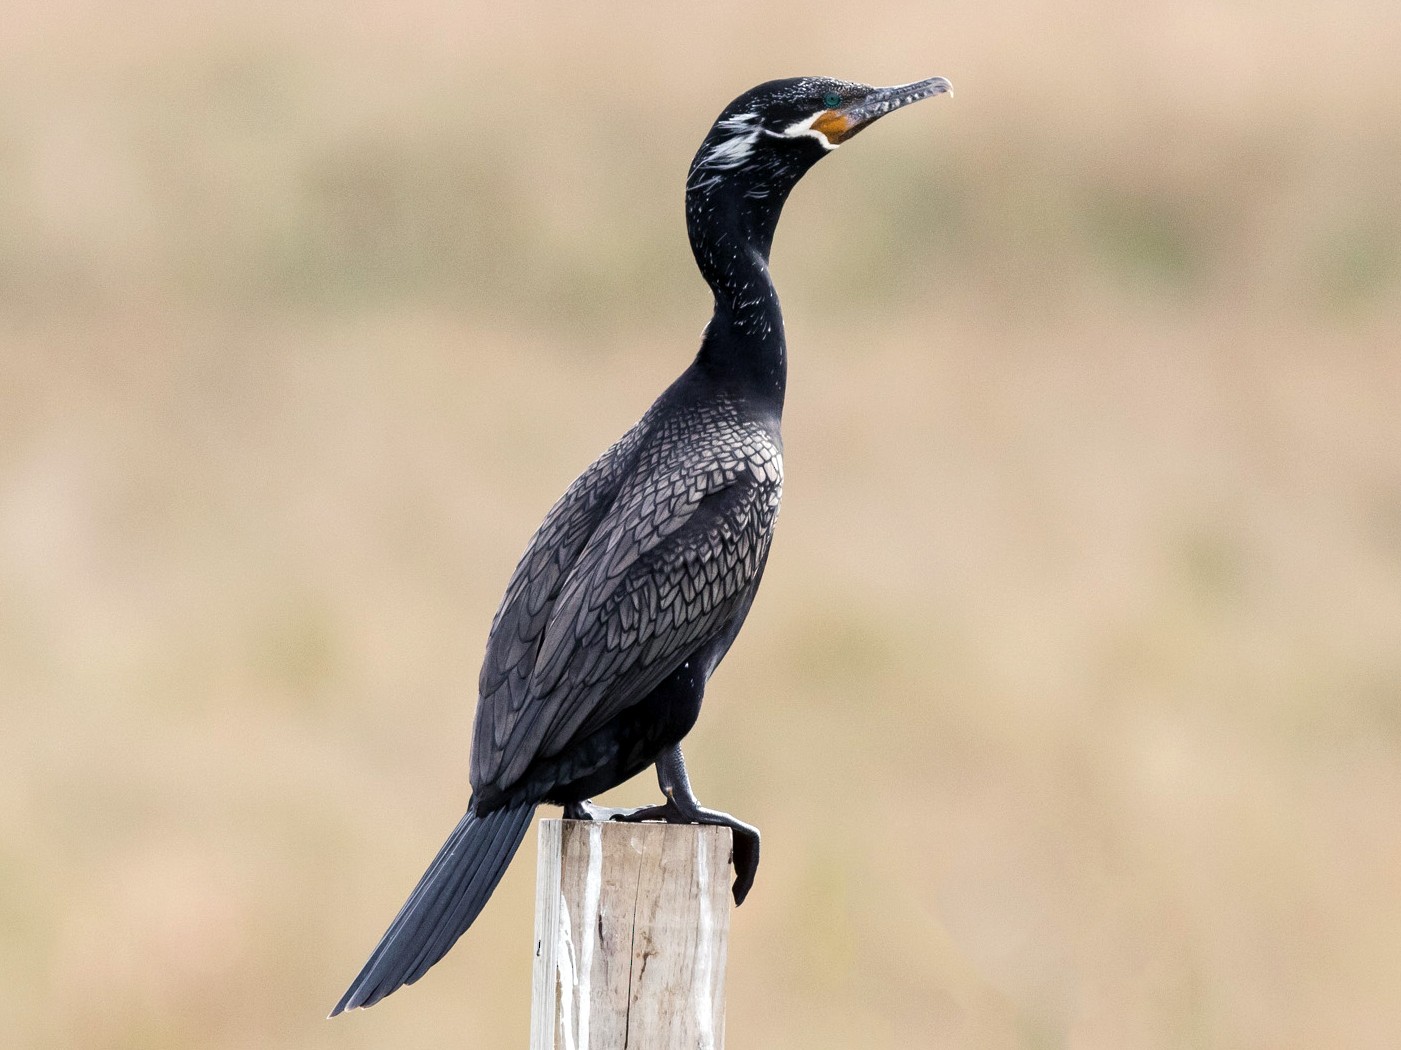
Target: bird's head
x,y
766,139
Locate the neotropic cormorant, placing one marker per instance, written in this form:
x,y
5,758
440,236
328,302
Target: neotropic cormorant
x,y
640,576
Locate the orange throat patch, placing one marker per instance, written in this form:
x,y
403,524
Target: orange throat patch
x,y
833,125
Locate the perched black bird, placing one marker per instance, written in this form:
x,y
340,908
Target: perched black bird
x,y
641,575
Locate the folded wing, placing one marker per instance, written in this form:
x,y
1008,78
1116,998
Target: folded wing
x,y
664,570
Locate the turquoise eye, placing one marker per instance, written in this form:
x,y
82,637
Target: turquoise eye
x,y
831,100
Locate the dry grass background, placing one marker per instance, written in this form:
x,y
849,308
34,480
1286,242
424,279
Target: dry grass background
x,y
1071,709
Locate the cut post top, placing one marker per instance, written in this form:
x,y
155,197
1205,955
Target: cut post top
x,y
632,932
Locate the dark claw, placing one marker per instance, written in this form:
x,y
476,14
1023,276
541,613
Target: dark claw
x,y
746,857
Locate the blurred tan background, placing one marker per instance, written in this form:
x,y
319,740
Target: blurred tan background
x,y
1071,707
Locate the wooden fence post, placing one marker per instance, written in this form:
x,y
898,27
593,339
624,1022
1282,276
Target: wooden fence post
x,y
632,926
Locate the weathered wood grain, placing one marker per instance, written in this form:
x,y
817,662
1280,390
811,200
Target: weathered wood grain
x,y
632,926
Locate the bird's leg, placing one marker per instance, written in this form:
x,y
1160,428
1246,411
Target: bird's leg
x,y
682,807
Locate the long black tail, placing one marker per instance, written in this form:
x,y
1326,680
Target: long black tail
x,y
443,904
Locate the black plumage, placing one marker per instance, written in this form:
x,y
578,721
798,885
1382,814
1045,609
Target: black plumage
x,y
641,575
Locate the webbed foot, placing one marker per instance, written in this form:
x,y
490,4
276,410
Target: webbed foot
x,y
586,810
686,811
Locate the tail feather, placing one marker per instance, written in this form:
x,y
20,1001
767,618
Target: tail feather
x,y
459,909
445,902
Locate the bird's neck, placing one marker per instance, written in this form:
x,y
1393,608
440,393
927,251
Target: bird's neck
x,y
743,346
